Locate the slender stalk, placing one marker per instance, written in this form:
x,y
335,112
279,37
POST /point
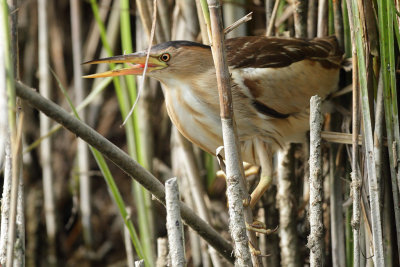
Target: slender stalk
x,y
124,162
355,179
9,130
45,146
16,143
145,15
315,239
206,15
234,169
367,129
202,23
19,250
83,150
187,24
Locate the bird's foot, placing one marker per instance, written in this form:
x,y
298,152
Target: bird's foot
x,y
263,185
253,250
260,227
256,252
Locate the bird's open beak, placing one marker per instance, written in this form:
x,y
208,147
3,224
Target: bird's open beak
x,y
136,62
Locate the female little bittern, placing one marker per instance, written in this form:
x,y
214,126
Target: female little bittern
x,y
272,82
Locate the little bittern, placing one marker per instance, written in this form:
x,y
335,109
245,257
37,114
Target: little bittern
x,y
272,82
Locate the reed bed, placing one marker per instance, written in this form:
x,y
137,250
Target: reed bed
x,y
63,206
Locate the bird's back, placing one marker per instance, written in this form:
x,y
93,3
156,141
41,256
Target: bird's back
x,y
274,79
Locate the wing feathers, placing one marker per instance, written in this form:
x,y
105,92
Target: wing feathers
x,y
274,52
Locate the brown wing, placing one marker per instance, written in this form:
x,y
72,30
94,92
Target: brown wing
x,y
275,52
281,74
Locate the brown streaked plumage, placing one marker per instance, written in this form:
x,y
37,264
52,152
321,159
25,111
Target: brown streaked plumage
x,y
272,82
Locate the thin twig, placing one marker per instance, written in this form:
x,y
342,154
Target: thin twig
x,y
232,12
237,23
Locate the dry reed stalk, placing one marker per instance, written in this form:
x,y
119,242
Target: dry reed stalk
x,y
45,146
234,169
83,150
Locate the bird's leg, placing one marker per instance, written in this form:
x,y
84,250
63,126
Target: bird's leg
x,y
265,157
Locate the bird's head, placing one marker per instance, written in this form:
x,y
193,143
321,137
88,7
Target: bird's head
x,y
170,60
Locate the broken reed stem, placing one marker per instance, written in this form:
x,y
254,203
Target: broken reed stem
x,y
196,188
234,169
174,224
239,22
162,252
315,239
124,162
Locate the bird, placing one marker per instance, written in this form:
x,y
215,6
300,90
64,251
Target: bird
x,y
272,80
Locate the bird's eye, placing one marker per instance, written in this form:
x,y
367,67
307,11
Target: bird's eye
x,y
165,57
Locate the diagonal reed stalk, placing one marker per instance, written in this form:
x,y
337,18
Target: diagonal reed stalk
x,y
125,99
359,25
